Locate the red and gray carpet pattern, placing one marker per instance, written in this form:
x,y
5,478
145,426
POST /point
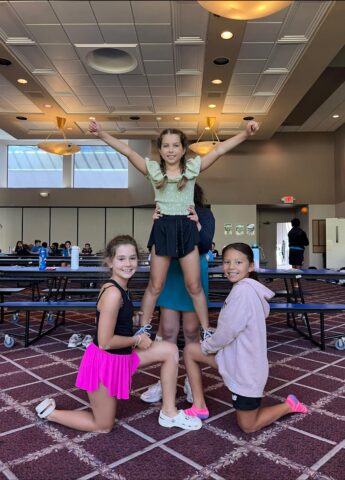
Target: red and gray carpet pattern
x,y
298,446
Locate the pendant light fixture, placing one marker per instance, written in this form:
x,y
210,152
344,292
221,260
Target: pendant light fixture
x,y
244,10
59,148
202,148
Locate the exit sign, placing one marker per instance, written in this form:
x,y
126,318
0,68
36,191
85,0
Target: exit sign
x,y
288,199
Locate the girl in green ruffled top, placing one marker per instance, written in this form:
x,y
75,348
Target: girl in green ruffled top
x,y
174,235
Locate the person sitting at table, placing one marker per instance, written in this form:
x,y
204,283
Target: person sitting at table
x,y
36,248
66,252
55,250
87,250
21,249
214,250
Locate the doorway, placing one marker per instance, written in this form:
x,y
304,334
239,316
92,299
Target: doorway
x,y
282,245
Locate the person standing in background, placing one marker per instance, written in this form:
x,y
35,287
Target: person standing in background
x,y
298,240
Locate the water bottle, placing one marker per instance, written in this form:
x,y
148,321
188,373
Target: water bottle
x,y
74,257
256,252
42,259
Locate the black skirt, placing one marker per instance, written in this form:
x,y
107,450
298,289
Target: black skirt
x,y
173,236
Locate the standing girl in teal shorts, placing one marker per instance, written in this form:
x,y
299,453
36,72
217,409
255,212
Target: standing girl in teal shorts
x,y
173,235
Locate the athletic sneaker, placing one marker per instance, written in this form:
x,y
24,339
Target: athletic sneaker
x,y
153,394
75,340
180,420
87,340
208,332
188,391
144,329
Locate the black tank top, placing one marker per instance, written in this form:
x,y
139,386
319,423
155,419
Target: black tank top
x,y
124,323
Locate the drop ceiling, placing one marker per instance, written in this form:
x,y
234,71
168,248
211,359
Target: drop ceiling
x,y
286,70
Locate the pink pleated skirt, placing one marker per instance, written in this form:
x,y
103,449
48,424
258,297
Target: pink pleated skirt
x,y
113,371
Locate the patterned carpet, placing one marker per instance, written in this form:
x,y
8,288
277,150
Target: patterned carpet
x,y
296,447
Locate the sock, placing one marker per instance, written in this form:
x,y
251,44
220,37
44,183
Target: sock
x,y
295,405
158,338
201,413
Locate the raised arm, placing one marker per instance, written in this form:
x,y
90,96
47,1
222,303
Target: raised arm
x,y
136,160
227,145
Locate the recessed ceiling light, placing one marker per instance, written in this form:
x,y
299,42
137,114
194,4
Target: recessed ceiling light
x,y
221,61
134,117
69,128
158,118
248,118
212,105
22,81
226,35
336,116
92,118
217,81
5,62
177,118
44,194
47,105
21,118
207,128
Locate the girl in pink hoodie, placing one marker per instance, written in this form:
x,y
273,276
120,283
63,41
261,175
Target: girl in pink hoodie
x,y
238,348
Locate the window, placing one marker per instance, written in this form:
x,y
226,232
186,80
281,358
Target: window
x,y
100,167
30,167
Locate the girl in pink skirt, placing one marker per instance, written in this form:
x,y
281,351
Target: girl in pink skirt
x,y
110,361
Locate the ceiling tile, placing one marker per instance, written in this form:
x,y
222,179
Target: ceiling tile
x,y
119,33
111,91
78,80
35,12
159,101
244,79
262,32
284,56
73,12
163,91
137,91
112,11
189,85
94,100
133,80
163,66
259,105
151,12
33,57
269,83
241,90
157,51
147,101
249,66
116,101
9,22
161,80
48,33
190,21
60,52
301,18
70,66
87,91
154,33
189,58
105,80
87,34
255,50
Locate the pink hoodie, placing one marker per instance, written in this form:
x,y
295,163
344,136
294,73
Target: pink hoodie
x,y
240,338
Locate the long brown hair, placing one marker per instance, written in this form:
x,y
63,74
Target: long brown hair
x,y
184,142
246,250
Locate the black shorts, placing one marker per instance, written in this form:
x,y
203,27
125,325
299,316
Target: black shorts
x,y
296,257
174,236
245,403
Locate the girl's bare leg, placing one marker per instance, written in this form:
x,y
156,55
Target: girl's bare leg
x,y
192,357
190,265
167,353
158,273
169,324
191,327
101,419
253,420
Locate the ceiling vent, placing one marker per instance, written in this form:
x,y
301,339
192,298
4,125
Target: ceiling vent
x,y
214,94
35,94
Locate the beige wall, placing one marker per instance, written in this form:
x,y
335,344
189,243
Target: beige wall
x,y
234,214
339,155
256,173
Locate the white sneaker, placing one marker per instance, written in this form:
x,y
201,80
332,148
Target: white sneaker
x,y
152,394
180,420
75,340
87,340
188,391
